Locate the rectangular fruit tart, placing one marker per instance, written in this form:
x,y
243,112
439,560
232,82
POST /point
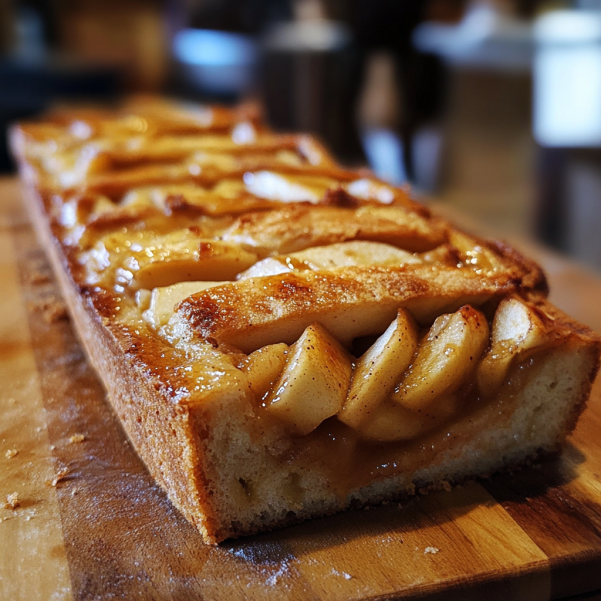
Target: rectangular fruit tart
x,y
284,338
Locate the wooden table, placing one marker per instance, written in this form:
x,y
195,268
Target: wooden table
x,y
92,525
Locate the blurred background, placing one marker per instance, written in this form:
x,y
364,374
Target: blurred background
x,y
489,106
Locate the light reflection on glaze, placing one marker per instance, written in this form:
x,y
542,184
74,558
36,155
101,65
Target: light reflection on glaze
x,y
369,190
272,186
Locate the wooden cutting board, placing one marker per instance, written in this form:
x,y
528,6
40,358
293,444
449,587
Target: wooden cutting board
x,y
91,523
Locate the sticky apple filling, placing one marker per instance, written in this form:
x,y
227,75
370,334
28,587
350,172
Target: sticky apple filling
x,y
406,384
282,337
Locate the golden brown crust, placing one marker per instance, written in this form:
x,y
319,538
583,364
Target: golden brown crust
x,y
256,312
138,400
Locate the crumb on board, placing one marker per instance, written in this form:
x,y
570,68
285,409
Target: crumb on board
x,y
447,486
77,438
12,501
10,453
432,550
60,475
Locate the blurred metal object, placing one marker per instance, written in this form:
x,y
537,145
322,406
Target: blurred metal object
x,y
219,63
568,212
307,71
316,35
486,37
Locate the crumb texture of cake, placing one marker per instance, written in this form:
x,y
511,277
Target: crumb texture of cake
x,y
283,338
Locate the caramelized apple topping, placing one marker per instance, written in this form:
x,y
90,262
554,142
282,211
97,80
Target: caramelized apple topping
x,y
139,261
380,369
427,393
264,366
160,305
445,359
403,386
314,382
516,331
343,254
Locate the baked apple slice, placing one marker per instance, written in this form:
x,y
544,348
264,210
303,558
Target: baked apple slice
x,y
342,254
379,370
314,382
516,329
163,300
263,368
445,359
188,261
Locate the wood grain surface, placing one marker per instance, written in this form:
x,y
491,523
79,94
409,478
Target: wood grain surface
x,y
92,524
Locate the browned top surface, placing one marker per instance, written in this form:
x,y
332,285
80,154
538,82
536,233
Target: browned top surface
x,y
106,531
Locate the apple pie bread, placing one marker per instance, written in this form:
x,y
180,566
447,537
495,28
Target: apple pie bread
x,y
281,337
